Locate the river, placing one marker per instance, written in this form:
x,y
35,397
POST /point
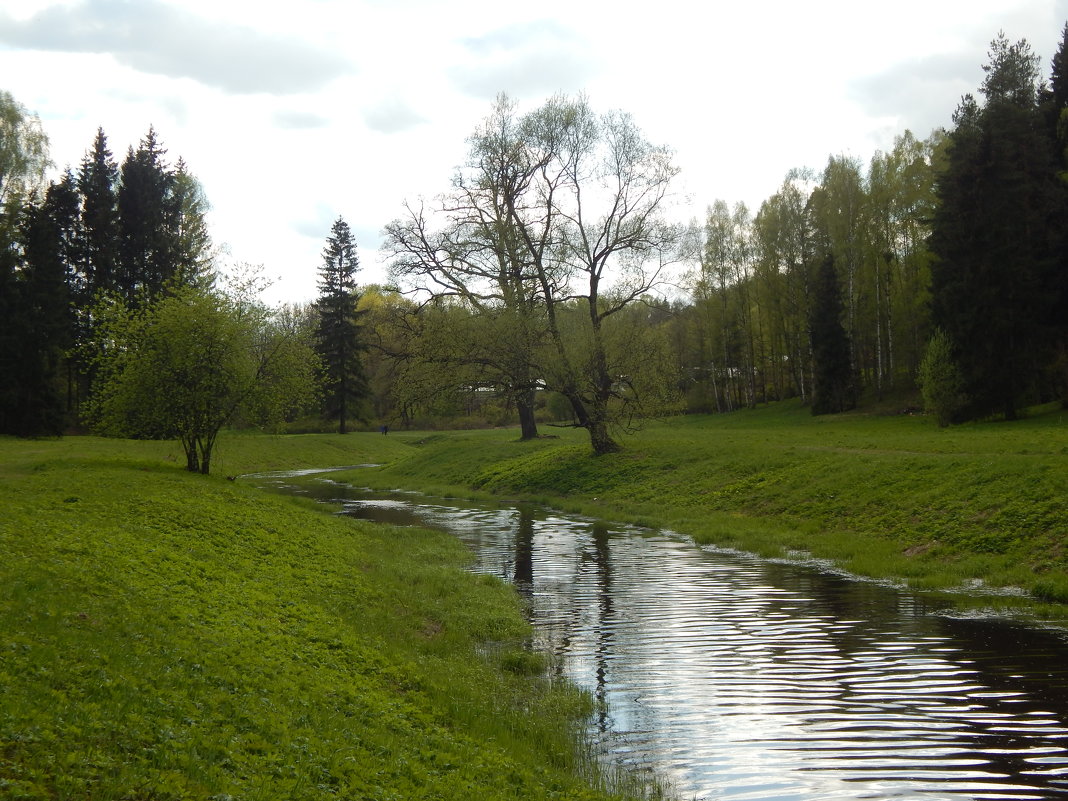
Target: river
x,y
732,677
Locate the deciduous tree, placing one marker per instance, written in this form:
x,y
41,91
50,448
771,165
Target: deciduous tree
x,y
190,362
570,212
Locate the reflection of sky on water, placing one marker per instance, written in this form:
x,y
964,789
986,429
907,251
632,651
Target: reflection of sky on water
x,y
736,679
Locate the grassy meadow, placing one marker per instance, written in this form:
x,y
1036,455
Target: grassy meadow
x,y
165,635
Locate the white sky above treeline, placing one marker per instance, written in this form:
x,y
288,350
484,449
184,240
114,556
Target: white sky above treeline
x,y
292,113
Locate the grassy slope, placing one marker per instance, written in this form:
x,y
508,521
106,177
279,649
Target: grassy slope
x,y
884,496
171,636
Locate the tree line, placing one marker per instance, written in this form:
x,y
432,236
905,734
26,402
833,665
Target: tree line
x,y
939,265
532,288
115,315
949,255
125,231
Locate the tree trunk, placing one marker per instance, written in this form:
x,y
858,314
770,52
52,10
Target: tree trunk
x,y
525,406
341,428
600,440
206,446
595,422
192,456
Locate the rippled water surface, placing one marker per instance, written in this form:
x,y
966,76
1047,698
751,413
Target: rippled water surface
x,y
736,678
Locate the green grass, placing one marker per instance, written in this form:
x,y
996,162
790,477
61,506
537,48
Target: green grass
x,y
165,635
890,496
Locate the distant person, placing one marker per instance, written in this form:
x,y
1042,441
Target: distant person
x,y
384,430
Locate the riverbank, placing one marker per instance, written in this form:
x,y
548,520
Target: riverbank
x,y
981,508
176,636
172,636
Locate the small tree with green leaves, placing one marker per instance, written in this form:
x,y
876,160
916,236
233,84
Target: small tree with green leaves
x,y
941,380
191,362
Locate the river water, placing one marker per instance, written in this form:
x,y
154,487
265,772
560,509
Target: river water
x,y
731,677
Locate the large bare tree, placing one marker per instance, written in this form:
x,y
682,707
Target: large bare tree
x,y
558,221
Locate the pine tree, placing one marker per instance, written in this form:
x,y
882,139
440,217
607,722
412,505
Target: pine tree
x,y
833,377
337,334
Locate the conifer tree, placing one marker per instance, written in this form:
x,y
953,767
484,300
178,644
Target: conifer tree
x,y
29,405
1057,114
41,313
833,377
998,235
193,251
147,258
337,334
98,180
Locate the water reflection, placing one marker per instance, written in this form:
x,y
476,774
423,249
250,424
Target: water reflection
x,y
741,679
523,577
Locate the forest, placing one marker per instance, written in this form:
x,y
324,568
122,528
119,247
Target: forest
x,y
551,283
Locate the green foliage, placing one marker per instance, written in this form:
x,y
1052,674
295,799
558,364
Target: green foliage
x,y
174,638
941,381
23,160
151,216
33,299
98,179
187,365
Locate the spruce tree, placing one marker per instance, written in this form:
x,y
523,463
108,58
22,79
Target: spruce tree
x,y
40,318
192,247
12,340
833,376
997,235
1057,116
147,251
337,334
98,180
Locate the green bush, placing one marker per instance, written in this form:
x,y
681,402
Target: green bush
x,y
941,380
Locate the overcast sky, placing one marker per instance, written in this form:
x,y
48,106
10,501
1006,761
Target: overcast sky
x,y
292,113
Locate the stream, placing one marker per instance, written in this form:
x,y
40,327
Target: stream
x,y
733,677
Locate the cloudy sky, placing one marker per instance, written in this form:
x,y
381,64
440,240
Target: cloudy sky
x,y
292,113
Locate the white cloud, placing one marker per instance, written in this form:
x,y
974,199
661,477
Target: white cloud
x,y
162,39
393,115
524,60
300,119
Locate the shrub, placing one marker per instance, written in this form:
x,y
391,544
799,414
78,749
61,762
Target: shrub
x,y
941,380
